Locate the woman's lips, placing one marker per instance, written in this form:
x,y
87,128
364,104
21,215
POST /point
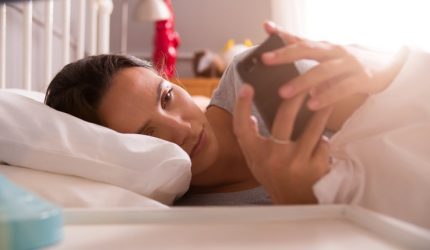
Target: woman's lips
x,y
199,145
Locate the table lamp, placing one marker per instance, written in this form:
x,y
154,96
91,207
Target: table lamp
x,y
166,39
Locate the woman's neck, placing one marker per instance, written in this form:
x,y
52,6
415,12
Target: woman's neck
x,y
229,173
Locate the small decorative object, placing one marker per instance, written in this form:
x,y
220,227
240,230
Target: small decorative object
x,y
231,49
207,64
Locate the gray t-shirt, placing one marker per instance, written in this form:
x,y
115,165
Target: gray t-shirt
x,y
254,196
225,97
226,93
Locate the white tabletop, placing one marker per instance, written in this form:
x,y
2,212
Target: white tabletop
x,y
270,227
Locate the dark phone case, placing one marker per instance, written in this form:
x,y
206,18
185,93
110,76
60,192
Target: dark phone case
x,y
266,81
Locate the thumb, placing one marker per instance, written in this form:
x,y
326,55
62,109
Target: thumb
x,y
243,124
322,157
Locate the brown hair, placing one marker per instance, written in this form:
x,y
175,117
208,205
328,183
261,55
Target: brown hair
x,y
79,87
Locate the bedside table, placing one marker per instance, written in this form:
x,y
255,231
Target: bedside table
x,y
198,86
248,228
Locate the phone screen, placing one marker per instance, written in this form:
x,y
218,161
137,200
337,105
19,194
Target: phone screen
x,y
266,81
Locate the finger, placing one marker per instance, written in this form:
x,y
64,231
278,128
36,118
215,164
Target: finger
x,y
322,157
316,76
309,139
283,124
272,28
318,51
325,97
243,125
326,85
254,123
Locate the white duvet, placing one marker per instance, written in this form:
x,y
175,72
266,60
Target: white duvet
x,y
382,154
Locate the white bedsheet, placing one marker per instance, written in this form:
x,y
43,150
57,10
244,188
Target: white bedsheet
x,y
382,154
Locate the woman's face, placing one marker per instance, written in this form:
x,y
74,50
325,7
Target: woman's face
x,y
141,102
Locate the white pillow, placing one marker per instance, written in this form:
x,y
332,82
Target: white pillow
x,y
36,136
35,95
75,192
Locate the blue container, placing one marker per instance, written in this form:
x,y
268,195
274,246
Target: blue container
x,y
27,221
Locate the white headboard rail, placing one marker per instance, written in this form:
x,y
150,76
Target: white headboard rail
x,y
49,29
27,42
105,10
98,41
3,45
66,32
80,49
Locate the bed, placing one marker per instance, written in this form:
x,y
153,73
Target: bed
x,y
57,157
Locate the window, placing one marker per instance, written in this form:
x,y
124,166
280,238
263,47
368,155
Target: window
x,y
382,24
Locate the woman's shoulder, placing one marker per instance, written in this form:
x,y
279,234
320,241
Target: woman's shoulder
x,y
225,94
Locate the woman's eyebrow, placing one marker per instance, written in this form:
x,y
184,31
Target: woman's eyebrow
x,y
158,94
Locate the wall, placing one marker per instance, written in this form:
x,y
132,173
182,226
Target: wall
x,y
202,24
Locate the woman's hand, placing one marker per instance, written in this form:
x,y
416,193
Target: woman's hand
x,y
287,169
340,73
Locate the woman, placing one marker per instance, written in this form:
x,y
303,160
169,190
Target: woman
x,y
231,162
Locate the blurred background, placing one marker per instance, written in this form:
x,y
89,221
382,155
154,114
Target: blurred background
x,y
214,26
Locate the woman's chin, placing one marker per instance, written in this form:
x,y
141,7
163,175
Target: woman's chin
x,y
204,159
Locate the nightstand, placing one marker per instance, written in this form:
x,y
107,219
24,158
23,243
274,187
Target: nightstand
x,y
198,86
241,227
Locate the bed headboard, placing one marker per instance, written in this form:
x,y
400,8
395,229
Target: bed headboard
x,y
37,38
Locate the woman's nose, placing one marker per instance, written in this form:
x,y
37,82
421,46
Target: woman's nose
x,y
177,129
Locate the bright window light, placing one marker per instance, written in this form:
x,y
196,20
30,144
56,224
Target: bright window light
x,y
382,24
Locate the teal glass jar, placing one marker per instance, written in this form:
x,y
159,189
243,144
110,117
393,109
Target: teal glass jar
x,y
27,221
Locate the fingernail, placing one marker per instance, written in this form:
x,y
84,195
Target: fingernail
x,y
312,92
243,92
313,104
254,119
287,91
268,56
271,23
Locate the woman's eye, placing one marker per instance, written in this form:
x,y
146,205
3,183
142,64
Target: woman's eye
x,y
167,97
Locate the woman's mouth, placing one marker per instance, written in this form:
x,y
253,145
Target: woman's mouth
x,y
201,141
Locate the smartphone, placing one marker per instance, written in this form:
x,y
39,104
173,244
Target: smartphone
x,y
266,80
